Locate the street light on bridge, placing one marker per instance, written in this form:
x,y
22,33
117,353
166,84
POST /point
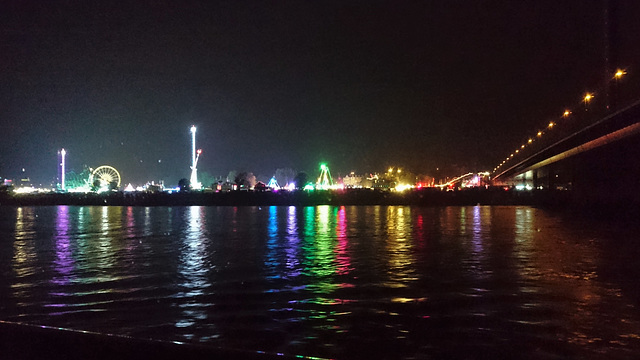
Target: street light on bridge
x,y
619,73
587,99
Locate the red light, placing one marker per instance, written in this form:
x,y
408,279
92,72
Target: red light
x,y
199,151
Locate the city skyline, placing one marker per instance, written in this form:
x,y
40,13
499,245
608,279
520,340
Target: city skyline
x,y
360,87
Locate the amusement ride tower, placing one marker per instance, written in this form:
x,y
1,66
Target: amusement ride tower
x,y
195,155
63,154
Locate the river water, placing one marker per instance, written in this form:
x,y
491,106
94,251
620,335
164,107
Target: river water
x,y
357,282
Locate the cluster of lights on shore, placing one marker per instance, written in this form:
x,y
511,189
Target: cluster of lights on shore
x,y
324,181
586,100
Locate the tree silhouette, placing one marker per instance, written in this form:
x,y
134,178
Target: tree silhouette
x,y
96,185
284,176
184,185
301,180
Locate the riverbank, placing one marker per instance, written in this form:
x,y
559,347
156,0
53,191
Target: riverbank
x,y
565,201
423,197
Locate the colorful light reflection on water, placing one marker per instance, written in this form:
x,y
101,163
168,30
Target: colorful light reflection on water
x,y
350,282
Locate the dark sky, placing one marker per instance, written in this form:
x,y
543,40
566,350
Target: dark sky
x,y
361,85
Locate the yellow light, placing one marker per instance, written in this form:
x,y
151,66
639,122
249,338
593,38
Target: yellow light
x,y
25,190
522,147
390,169
619,73
539,133
588,97
566,113
517,150
511,155
403,187
399,171
551,125
530,141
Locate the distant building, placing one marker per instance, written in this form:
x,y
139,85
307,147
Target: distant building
x,y
383,183
355,181
352,180
225,186
154,188
25,181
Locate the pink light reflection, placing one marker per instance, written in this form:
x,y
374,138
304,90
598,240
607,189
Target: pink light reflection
x,y
343,259
64,261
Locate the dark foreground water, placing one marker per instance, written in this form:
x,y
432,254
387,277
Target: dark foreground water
x,y
368,282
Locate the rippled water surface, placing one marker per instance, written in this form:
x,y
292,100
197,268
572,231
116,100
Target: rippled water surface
x,y
344,282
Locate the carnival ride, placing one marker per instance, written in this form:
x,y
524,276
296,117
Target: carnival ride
x,y
106,175
325,181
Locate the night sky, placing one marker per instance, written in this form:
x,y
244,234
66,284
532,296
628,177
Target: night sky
x,y
360,85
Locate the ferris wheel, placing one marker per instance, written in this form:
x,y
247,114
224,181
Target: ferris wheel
x,y
106,174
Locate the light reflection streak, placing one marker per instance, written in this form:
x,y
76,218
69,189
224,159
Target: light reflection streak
x,y
323,264
322,220
309,222
82,226
319,256
24,262
420,233
105,222
105,255
480,218
377,221
234,220
344,261
478,222
23,245
308,254
193,268
399,248
147,222
131,222
81,220
463,220
271,260
64,260
325,256
524,224
130,232
293,241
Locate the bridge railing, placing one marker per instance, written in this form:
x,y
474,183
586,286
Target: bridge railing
x,y
594,108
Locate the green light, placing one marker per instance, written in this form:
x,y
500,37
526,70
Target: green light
x,y
324,180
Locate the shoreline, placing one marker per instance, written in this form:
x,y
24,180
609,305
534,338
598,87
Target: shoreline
x,y
422,197
561,201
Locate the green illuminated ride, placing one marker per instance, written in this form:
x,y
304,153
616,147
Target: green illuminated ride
x,y
324,180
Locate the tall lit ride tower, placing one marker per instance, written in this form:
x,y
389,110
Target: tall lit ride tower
x,y
194,160
63,153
